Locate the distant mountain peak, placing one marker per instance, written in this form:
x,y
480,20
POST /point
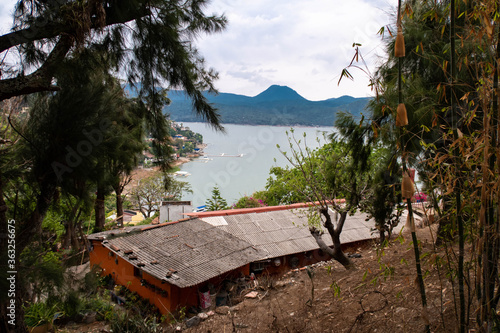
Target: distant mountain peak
x,y
278,93
277,105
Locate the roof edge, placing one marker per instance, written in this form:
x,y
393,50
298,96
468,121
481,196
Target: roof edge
x,y
154,226
257,209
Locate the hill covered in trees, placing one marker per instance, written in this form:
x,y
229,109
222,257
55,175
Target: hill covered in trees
x,y
277,105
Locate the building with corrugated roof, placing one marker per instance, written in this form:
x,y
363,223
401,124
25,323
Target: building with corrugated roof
x,y
282,232
170,263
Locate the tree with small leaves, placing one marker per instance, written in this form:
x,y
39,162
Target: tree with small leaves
x,y
216,202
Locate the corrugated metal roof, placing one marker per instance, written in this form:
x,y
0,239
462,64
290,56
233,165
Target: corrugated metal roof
x,y
285,232
200,249
115,232
196,250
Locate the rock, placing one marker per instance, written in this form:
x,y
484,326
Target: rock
x,y
292,314
283,283
252,294
89,318
202,315
222,310
178,329
234,308
210,313
194,321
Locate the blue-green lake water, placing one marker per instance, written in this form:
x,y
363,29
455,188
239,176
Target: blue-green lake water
x,y
249,153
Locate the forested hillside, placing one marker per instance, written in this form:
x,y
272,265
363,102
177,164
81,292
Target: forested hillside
x,y
278,105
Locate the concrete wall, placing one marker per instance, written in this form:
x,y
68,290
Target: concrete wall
x,y
174,210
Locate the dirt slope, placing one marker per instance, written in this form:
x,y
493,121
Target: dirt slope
x,y
379,296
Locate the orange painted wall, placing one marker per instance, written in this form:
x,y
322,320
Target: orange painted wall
x,y
123,274
190,296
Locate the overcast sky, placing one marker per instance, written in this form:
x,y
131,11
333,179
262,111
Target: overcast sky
x,y
300,44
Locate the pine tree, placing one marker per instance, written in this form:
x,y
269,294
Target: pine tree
x,y
216,202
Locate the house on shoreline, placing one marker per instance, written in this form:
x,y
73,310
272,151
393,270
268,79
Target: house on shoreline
x,y
172,263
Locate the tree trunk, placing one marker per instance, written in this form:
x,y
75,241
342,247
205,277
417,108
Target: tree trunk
x,y
66,242
25,232
119,207
6,323
75,242
70,237
382,235
4,300
335,252
343,260
118,187
100,215
70,226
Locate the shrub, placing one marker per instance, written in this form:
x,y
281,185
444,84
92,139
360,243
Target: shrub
x,y
40,313
101,305
126,323
249,202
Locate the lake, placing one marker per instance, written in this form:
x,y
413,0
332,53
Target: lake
x,y
238,161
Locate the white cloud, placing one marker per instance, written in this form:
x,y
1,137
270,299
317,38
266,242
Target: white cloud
x,y
6,10
301,44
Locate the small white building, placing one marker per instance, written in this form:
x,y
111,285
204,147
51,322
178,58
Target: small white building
x,y
174,210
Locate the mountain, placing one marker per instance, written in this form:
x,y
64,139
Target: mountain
x,y
277,105
278,93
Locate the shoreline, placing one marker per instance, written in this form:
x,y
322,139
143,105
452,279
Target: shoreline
x,y
181,161
261,125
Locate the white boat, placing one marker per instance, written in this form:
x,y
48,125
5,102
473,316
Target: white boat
x,y
181,174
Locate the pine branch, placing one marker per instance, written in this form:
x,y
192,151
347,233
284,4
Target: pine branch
x,y
41,79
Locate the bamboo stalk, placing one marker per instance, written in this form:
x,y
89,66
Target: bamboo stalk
x,y
420,278
457,190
